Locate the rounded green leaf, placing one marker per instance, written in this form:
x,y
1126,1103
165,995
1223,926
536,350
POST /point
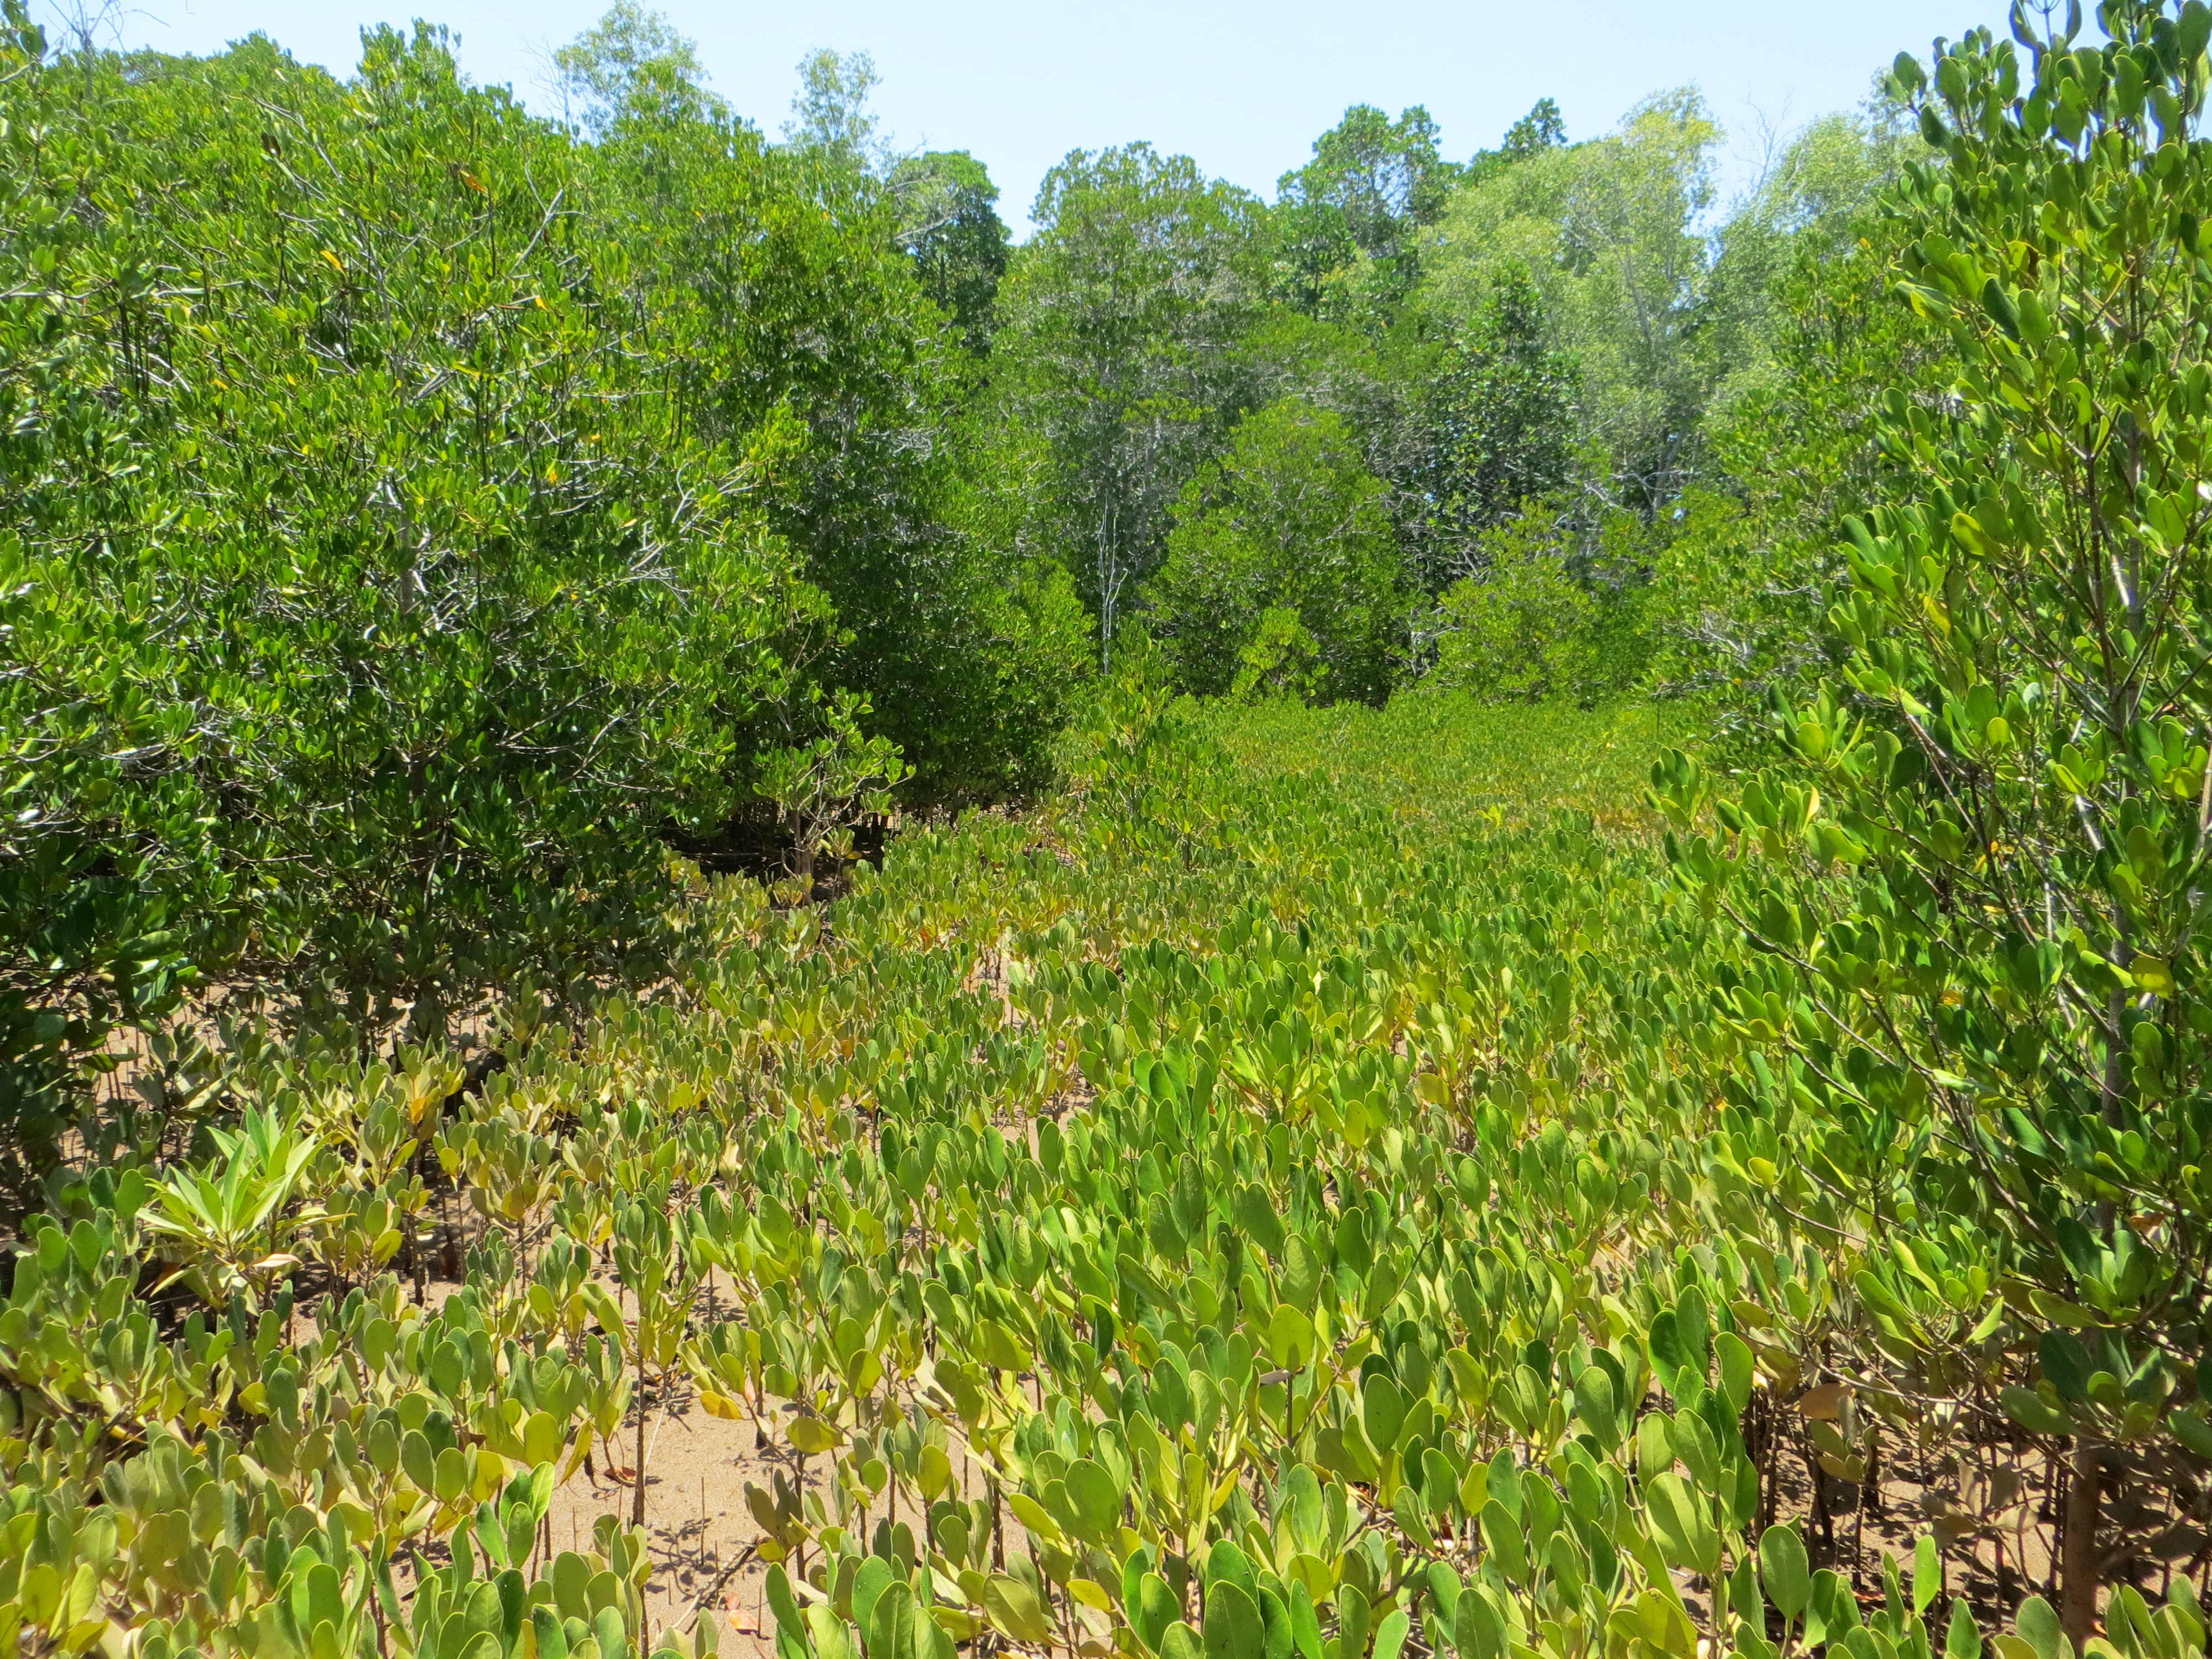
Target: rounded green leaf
x,y
1502,1538
1152,1609
873,1578
1596,1409
1233,1626
1382,1411
1680,1525
891,1623
1290,1338
1961,1639
1785,1570
1738,1369
2033,1413
833,1639
1095,1499
1013,1608
2038,1626
552,1633
572,1574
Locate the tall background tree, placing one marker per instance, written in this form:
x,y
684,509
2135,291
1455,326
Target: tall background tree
x,y
631,59
1118,326
1605,230
949,224
1345,227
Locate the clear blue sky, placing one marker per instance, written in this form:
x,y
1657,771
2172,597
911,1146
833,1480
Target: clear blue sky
x,y
1242,86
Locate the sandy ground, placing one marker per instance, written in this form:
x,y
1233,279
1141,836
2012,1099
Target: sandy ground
x,y
695,1521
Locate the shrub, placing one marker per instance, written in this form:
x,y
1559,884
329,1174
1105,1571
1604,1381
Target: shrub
x,y
1290,520
1519,631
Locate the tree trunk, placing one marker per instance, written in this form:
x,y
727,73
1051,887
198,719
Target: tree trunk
x,y
2078,1583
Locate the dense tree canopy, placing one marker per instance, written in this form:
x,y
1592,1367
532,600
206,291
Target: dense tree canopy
x,y
1345,225
949,222
417,515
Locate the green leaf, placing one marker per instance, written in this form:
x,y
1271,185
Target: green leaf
x,y
2066,1365
1406,1508
1290,1338
1503,1537
874,1578
419,1462
1256,1214
1096,1500
1596,1408
1834,1612
1155,1608
1354,1617
2029,1410
2190,1428
1382,1411
1738,1369
783,1603
1999,306
833,1638
1226,1563
1233,1626
1680,1526
1927,1573
1478,1632
1961,1639
1785,1570
571,1574
997,1347
2040,1628
1013,1608
891,1622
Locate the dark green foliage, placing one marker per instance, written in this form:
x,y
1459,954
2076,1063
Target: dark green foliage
x,y
411,516
1345,225
1541,129
1288,523
1118,324
1742,590
1497,428
950,224
350,526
